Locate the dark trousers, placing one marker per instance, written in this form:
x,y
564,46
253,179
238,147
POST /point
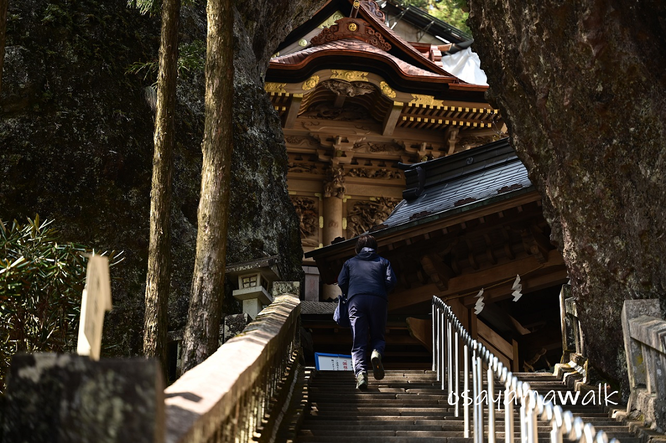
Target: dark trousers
x,y
367,314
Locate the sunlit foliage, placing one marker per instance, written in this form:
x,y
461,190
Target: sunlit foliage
x,y
41,282
449,11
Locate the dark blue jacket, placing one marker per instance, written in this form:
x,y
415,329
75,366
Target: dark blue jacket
x,y
367,273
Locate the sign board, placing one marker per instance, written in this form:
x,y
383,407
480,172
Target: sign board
x,y
95,301
333,362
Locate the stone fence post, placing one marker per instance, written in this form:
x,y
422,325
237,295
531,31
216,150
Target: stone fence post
x,y
645,345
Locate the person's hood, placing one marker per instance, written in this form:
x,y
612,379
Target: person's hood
x,y
367,254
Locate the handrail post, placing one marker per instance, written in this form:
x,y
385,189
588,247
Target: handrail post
x,y
508,408
449,353
479,374
557,421
432,317
466,386
442,363
532,434
436,333
523,413
491,401
457,374
475,394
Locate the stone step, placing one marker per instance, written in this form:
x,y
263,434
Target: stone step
x,y
436,425
411,439
421,425
410,406
386,412
369,418
385,438
383,433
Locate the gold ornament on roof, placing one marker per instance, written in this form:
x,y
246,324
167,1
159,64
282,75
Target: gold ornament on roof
x,y
351,28
425,100
387,90
310,83
331,20
275,87
350,76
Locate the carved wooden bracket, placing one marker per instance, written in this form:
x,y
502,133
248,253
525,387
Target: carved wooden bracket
x,y
535,243
438,271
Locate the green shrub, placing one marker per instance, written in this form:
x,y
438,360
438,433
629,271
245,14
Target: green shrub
x,y
41,282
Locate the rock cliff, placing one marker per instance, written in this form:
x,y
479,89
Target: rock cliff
x,y
76,141
581,85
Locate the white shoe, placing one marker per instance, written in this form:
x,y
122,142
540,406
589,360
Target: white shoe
x,y
377,367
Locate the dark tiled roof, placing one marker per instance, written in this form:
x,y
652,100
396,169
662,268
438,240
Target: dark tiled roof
x,y
450,185
471,177
309,307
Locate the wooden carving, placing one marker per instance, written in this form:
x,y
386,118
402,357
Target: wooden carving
x,y
307,211
335,183
348,89
382,173
366,214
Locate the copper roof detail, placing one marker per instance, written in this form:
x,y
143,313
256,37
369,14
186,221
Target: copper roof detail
x,y
351,28
373,8
354,46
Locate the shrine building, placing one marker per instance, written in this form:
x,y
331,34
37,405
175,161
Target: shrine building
x,y
388,131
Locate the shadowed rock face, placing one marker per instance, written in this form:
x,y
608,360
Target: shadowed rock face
x,y
76,141
582,85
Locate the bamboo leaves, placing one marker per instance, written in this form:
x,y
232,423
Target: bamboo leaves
x,y
41,281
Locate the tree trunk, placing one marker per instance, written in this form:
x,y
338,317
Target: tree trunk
x,y
3,31
203,322
159,249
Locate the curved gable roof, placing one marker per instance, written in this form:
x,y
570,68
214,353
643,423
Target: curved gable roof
x,y
369,14
351,48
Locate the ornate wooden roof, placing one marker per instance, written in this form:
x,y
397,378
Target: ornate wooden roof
x,y
356,82
470,221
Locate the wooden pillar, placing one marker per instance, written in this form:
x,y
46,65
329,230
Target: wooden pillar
x,y
332,229
332,219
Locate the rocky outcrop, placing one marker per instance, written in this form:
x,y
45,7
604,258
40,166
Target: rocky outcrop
x,y
76,141
65,397
581,85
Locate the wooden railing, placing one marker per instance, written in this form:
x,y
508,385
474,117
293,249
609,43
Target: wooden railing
x,y
239,393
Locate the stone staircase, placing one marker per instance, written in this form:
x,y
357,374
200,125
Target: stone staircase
x,y
408,406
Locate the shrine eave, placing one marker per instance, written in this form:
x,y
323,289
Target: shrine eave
x,y
385,67
528,194
454,189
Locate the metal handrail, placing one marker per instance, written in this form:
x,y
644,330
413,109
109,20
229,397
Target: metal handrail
x,y
238,394
448,335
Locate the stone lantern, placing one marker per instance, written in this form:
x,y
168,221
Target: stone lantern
x,y
255,279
